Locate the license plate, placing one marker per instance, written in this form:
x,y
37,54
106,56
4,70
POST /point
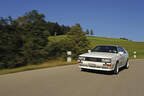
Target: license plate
x,y
92,65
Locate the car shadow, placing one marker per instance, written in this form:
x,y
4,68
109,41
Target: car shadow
x,y
122,69
102,72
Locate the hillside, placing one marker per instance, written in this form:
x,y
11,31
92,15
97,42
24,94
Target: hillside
x,y
131,46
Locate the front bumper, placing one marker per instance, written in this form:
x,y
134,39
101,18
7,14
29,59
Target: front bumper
x,y
92,68
96,66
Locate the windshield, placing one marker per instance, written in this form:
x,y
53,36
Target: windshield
x,y
109,49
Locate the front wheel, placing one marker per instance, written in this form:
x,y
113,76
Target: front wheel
x,y
116,70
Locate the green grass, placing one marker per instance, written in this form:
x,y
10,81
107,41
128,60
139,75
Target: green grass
x,y
130,46
51,63
57,38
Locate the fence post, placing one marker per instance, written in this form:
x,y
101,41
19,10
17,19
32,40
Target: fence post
x,y
134,54
89,51
69,59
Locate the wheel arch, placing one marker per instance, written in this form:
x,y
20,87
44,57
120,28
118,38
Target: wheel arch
x,y
116,63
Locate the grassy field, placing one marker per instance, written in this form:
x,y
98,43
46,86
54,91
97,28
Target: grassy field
x,y
51,63
130,46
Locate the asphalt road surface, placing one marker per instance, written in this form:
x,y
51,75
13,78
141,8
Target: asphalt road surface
x,y
70,81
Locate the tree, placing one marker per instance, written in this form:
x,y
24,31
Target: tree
x,y
35,36
87,32
10,44
65,29
56,28
30,17
91,32
77,41
123,38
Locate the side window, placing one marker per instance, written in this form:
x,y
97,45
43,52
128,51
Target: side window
x,y
123,50
120,49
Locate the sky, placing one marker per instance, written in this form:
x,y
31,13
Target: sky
x,y
108,18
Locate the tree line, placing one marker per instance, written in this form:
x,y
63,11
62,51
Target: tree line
x,y
24,40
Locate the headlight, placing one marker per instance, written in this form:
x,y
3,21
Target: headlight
x,y
81,58
106,60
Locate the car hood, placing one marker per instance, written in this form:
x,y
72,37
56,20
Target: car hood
x,y
99,55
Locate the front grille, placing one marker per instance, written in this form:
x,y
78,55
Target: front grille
x,y
93,59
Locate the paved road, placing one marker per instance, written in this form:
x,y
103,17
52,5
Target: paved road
x,y
70,81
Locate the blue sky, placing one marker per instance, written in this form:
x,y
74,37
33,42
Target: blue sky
x,y
108,18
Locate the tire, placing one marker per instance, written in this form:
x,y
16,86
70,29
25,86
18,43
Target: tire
x,y
127,65
82,69
116,70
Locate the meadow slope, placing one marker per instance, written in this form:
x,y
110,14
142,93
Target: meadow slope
x,y
130,46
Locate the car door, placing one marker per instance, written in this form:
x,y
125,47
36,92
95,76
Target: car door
x,y
122,56
125,58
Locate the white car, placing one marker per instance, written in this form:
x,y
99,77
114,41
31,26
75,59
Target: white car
x,y
105,58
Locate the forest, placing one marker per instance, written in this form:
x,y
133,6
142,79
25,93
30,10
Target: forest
x,y
25,40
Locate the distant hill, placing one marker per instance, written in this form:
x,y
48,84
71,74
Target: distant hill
x,y
130,46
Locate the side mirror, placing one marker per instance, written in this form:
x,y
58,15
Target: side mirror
x,y
89,51
121,53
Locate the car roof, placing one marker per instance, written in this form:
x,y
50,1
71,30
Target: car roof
x,y
110,45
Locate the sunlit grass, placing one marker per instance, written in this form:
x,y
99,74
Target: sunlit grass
x,y
52,63
130,46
